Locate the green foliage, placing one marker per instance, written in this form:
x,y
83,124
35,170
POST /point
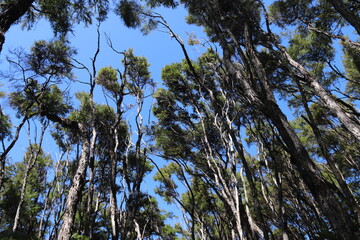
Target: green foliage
x,y
64,14
59,14
5,126
137,73
228,13
285,12
129,11
137,165
83,114
311,48
38,100
51,59
292,12
10,235
351,62
135,78
168,187
165,3
205,112
107,77
79,237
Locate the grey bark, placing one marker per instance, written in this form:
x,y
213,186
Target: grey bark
x,y
320,189
22,195
75,190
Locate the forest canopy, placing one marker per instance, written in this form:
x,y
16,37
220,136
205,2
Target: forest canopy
x,y
256,138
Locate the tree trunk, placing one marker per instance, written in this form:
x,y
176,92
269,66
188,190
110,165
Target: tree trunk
x,y
30,162
89,221
22,197
7,150
42,219
90,211
10,13
113,214
75,191
113,189
346,13
349,196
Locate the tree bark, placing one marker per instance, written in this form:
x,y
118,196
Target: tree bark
x,y
75,189
89,221
349,197
7,150
113,199
22,196
10,13
345,12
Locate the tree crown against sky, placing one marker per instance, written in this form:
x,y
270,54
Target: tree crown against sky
x,y
268,76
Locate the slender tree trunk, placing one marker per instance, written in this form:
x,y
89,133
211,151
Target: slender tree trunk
x,y
113,189
49,201
90,211
75,190
322,190
22,197
41,225
34,153
113,208
231,196
90,196
350,123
